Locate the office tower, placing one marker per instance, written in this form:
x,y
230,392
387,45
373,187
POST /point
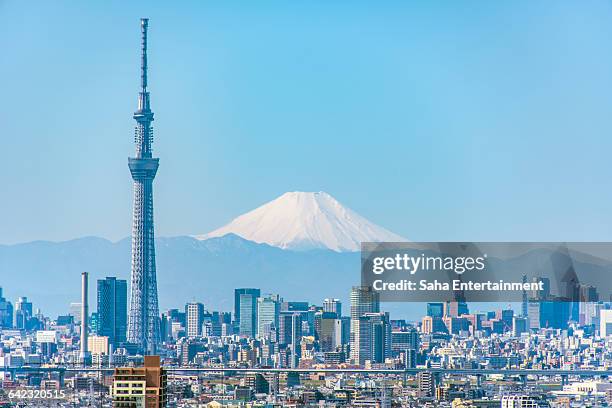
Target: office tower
x,y
404,340
363,300
519,326
342,335
194,314
218,320
455,309
290,335
143,318
84,354
372,339
505,316
555,314
333,306
290,327
268,312
435,309
245,310
112,309
589,313
533,314
325,330
177,316
296,339
23,313
605,323
6,313
145,387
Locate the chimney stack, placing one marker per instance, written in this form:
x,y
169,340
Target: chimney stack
x,y
84,317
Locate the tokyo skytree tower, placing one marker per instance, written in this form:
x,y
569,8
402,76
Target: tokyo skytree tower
x,y
143,319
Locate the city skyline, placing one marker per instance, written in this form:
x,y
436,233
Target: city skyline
x,y
457,139
474,140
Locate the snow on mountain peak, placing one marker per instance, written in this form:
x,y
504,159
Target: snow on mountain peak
x,y
305,220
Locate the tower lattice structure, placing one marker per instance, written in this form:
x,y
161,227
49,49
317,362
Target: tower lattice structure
x,y
143,317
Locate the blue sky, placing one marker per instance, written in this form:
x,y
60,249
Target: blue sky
x,y
473,120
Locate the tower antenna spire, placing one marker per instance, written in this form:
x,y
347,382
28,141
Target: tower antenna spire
x,y
144,25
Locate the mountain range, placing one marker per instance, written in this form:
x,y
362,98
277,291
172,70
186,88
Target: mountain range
x,y
300,245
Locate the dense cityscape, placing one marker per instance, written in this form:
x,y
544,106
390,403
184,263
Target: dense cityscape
x,y
302,354
277,350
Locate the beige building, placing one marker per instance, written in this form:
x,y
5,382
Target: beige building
x,y
97,344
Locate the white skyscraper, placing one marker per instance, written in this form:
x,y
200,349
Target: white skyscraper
x,y
605,322
268,312
194,317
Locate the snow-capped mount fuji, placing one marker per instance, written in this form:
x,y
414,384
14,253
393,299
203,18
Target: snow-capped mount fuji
x,y
305,220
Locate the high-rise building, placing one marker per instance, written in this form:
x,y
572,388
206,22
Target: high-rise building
x,y
290,335
111,317
363,300
372,340
555,314
245,310
325,330
333,306
143,318
524,303
402,340
605,322
290,328
505,316
435,309
519,325
136,387
6,313
342,334
455,309
533,314
296,339
194,315
268,313
23,313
